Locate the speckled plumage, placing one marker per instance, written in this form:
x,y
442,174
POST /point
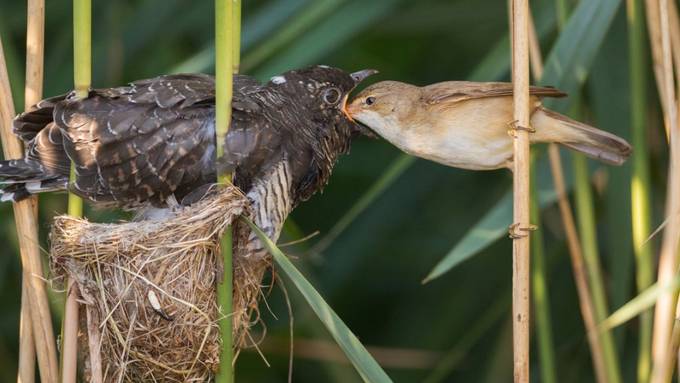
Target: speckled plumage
x,y
141,144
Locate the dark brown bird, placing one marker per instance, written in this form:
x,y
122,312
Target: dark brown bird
x,y
153,142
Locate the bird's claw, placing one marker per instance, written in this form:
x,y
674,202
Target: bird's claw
x,y
517,231
514,127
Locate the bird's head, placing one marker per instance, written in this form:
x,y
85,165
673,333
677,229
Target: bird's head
x,y
323,129
385,107
322,92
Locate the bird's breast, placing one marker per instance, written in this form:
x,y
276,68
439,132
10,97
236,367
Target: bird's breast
x,y
470,134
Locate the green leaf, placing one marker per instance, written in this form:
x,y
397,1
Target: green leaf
x,y
364,363
567,68
325,37
272,17
639,304
569,62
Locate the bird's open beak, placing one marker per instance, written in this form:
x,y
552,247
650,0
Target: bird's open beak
x,y
357,77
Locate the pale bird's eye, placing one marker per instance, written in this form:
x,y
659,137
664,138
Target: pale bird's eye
x,y
370,100
331,96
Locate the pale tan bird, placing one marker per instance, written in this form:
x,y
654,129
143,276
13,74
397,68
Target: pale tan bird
x,y
467,124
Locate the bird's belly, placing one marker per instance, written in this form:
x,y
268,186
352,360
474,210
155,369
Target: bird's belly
x,y
471,136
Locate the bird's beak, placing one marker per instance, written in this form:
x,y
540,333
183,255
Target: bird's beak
x,y
361,75
357,77
349,110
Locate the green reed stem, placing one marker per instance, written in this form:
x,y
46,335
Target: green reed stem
x,y
640,183
82,79
227,38
586,224
539,290
82,46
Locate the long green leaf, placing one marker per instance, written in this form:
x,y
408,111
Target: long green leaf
x,y
567,68
256,28
366,366
325,37
638,305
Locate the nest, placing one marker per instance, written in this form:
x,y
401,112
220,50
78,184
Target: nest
x,y
148,290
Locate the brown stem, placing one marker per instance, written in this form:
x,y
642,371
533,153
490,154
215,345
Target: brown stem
x,y
27,229
521,191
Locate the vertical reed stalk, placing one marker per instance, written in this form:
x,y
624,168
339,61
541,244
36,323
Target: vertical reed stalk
x,y
573,242
227,43
82,47
82,76
27,230
640,183
586,223
35,48
662,353
539,292
578,268
521,191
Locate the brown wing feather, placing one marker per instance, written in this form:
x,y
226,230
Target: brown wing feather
x,y
458,91
141,143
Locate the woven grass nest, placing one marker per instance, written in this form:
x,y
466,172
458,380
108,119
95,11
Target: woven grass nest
x,y
148,308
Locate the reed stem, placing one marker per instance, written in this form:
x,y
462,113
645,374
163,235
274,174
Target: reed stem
x,y
640,183
227,48
521,191
27,231
82,77
539,292
666,306
82,47
586,222
35,48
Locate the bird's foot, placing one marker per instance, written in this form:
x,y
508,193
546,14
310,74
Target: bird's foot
x,y
513,127
516,230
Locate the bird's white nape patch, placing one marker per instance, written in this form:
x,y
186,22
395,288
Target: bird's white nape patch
x,y
278,80
324,66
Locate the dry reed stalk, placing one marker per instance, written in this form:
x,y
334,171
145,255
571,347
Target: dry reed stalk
x,y
27,229
26,369
520,229
573,242
666,305
69,349
674,22
653,28
35,47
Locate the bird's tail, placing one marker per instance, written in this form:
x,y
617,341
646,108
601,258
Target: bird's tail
x,y
593,142
19,179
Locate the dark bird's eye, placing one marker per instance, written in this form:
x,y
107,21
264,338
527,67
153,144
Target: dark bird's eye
x,y
370,100
331,96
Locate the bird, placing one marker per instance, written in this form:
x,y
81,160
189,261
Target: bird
x,y
470,125
152,143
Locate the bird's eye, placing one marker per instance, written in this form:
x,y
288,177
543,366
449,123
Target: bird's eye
x,y
370,100
331,96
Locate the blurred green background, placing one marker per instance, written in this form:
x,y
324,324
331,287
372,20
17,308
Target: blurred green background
x,y
456,328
